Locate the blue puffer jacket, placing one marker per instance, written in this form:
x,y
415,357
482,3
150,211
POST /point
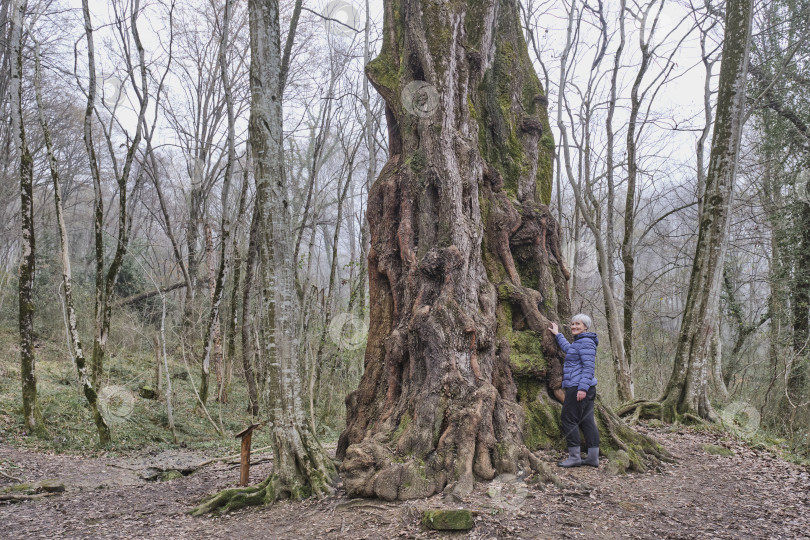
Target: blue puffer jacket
x,y
580,360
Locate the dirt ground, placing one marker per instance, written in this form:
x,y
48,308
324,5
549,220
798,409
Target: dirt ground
x,y
749,494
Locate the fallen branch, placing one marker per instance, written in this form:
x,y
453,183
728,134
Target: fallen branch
x,y
237,464
10,477
149,294
12,498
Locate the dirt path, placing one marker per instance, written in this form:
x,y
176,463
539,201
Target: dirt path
x,y
747,495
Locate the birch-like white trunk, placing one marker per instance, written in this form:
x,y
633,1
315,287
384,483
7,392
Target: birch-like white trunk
x,y
88,389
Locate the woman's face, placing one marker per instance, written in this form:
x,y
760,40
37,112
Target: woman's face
x,y
577,327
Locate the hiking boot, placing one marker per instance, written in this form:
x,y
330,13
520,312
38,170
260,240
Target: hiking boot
x,y
593,457
573,459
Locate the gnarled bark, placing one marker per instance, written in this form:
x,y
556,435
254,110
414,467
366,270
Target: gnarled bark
x,y
465,270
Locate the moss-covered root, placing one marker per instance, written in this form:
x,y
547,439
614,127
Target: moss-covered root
x,y
541,469
641,409
267,492
235,498
619,438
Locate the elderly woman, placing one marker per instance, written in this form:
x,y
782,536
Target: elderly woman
x,y
579,385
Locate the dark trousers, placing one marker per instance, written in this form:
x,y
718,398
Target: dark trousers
x,y
578,415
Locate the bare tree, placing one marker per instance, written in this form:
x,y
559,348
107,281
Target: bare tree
x,y
301,467
106,276
31,411
212,330
686,395
603,245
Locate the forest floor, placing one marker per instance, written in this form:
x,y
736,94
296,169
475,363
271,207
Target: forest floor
x,y
748,493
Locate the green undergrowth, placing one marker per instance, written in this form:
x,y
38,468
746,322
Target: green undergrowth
x,y
69,425
758,440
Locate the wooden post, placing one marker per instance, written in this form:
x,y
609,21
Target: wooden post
x,y
158,366
244,467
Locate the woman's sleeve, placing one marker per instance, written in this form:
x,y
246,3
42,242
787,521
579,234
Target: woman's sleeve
x,y
562,342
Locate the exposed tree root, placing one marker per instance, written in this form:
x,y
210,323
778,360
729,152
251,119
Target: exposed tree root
x,y
235,498
541,469
269,491
641,409
643,451
15,498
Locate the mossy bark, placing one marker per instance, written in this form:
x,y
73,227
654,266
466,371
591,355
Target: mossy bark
x,y
465,268
301,467
67,275
686,396
32,415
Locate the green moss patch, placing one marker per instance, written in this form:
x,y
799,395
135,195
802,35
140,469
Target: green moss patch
x,y
542,428
448,520
717,450
526,357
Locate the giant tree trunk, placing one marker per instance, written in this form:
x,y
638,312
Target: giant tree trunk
x,y
465,270
686,395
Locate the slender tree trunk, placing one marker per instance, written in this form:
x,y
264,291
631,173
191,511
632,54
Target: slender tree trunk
x,y
105,281
246,338
165,357
233,319
77,351
187,333
800,303
686,394
212,344
213,331
610,165
317,376
603,247
31,411
371,171
625,381
301,468
718,386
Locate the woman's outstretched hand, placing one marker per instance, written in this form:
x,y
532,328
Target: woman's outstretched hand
x,y
553,328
